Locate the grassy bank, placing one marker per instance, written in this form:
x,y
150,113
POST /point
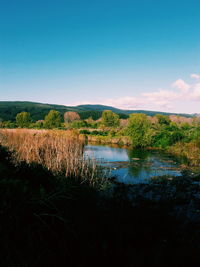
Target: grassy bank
x,y
109,140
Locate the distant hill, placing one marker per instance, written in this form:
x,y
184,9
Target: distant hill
x,y
126,111
9,110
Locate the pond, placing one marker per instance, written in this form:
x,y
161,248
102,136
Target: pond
x,y
132,166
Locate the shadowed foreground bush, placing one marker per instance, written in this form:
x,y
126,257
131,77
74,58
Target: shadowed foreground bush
x,y
48,220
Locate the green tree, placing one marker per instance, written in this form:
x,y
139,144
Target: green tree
x,y
110,119
78,124
163,119
52,119
139,129
23,119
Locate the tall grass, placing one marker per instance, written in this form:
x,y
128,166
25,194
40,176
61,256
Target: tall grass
x,y
58,151
191,151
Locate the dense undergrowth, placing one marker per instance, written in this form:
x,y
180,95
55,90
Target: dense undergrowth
x,y
49,220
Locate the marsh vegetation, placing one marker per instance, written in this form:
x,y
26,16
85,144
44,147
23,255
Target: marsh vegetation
x,y
61,152
176,134
59,208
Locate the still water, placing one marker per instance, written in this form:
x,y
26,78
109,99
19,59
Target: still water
x,y
132,166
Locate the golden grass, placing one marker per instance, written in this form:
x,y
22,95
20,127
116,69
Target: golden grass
x,y
59,151
190,150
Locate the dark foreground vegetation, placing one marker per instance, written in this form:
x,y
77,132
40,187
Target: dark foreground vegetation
x,y
54,220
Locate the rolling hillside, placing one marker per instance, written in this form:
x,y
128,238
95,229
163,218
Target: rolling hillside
x,y
9,110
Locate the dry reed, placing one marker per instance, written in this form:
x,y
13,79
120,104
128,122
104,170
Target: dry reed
x,y
59,151
190,150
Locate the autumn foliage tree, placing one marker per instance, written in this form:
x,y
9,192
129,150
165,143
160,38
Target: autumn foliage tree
x,y
71,116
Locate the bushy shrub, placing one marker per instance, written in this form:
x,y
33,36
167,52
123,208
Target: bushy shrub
x,y
167,137
78,124
192,134
139,129
8,125
84,132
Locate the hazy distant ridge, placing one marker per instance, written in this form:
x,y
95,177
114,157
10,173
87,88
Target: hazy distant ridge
x,y
9,109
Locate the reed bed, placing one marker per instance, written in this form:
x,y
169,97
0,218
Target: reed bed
x,y
191,151
59,151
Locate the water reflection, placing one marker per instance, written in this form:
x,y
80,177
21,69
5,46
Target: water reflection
x,y
133,165
140,162
107,153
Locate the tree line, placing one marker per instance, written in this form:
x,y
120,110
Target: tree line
x,y
55,120
153,131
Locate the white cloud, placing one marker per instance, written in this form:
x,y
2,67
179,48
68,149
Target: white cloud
x,y
195,76
180,94
181,85
121,102
161,95
163,99
195,95
125,102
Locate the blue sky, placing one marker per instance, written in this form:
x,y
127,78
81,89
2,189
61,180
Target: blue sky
x,y
130,54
